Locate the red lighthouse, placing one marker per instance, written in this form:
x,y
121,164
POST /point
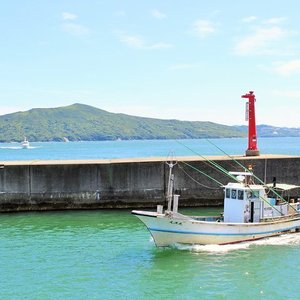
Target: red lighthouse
x,y
250,116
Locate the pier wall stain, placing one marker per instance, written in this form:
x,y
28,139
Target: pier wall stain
x,y
128,184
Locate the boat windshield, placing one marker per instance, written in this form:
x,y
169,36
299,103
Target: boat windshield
x,y
234,194
240,195
253,194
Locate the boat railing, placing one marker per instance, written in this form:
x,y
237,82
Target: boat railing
x,y
208,218
280,218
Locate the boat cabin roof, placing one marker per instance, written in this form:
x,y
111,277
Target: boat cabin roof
x,y
241,186
283,186
241,173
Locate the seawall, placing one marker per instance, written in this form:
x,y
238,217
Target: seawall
x,y
128,183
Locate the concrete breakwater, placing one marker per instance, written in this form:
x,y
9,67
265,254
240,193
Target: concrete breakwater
x,y
128,183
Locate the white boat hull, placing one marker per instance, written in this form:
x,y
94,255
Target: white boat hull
x,y
25,146
167,230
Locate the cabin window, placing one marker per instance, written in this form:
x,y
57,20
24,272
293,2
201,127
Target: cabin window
x,y
241,195
233,194
253,194
227,193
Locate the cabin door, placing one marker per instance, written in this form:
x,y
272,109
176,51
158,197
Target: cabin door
x,y
255,211
251,212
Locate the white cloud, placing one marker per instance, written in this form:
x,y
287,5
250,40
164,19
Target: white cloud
x,y
157,14
138,42
249,19
274,21
204,28
69,16
75,29
132,41
287,68
264,41
70,26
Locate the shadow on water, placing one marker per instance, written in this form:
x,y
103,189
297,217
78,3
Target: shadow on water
x,y
100,219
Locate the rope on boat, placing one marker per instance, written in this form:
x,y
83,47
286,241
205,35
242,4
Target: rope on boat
x,y
246,169
213,179
227,173
216,165
257,178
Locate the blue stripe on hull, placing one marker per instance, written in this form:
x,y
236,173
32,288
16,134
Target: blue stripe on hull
x,y
223,234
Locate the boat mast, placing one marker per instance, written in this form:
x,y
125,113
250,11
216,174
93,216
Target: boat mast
x,y
169,196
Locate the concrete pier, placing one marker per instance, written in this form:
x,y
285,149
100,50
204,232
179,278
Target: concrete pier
x,y
128,183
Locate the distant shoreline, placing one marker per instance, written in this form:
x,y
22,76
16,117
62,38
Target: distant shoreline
x,y
145,139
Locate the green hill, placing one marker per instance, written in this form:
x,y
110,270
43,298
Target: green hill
x,y
274,131
82,122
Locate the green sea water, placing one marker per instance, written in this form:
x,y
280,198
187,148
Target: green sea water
x,y
110,255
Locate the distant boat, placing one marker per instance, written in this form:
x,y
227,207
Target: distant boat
x,y
25,144
66,140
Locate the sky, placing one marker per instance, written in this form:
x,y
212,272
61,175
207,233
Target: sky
x,y
188,60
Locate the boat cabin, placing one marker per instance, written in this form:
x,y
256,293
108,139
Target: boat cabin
x,y
246,202
243,204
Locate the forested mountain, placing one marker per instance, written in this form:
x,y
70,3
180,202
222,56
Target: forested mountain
x,y
82,122
273,131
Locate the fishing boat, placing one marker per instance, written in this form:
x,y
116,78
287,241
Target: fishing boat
x,y
25,144
249,214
